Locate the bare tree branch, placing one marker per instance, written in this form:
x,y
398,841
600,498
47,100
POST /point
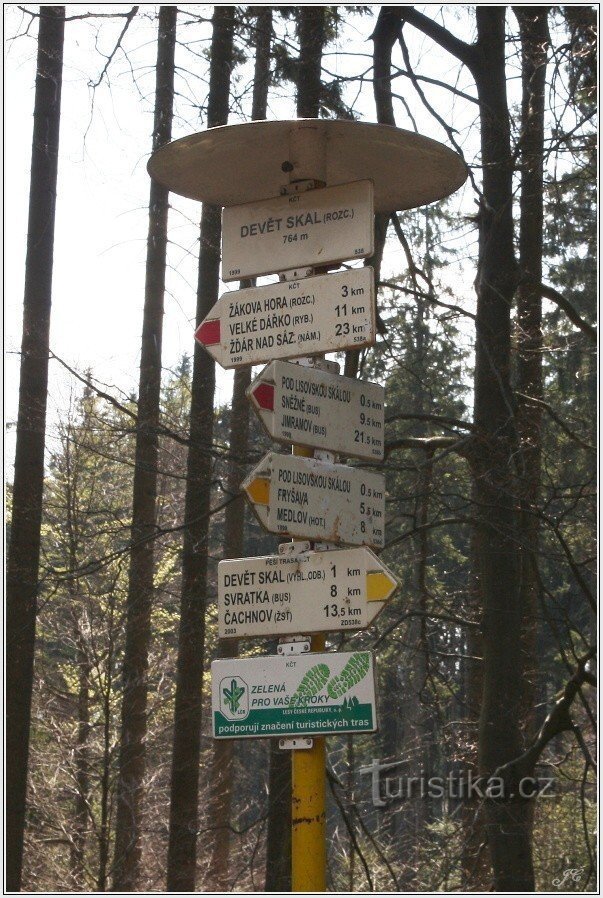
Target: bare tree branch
x,y
558,721
466,53
162,430
459,93
570,310
570,433
129,17
436,419
428,444
447,128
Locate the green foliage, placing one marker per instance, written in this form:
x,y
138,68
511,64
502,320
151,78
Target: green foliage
x,y
561,858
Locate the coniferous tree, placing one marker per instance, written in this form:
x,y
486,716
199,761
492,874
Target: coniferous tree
x,y
132,760
234,517
28,484
534,36
184,813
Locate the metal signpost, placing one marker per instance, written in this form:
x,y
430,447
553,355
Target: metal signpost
x,y
291,318
312,499
313,408
304,695
309,592
339,173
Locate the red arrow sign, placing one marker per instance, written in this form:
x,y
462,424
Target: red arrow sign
x,y
264,396
291,319
321,410
208,332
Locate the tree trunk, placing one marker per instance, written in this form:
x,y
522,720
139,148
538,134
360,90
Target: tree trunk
x,y
132,751
182,849
221,781
384,37
475,860
311,34
220,798
81,755
278,838
104,834
349,806
500,738
24,549
82,766
534,42
425,722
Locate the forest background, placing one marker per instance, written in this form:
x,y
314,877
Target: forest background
x,y
485,658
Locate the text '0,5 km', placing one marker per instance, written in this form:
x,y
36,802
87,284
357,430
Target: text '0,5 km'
x,y
314,228
325,313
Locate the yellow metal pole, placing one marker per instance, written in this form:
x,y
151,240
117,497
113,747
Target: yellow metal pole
x,y
308,834
308,767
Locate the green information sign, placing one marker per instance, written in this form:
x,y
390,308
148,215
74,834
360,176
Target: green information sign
x,y
303,695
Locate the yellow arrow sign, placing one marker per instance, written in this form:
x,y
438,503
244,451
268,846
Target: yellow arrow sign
x,y
317,499
379,586
336,590
258,490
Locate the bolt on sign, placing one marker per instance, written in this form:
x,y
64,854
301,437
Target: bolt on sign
x,y
310,499
317,227
320,410
305,695
324,313
313,592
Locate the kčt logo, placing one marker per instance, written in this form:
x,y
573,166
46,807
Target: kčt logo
x,y
234,698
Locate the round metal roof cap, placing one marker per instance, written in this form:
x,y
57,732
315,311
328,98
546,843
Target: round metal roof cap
x,y
234,164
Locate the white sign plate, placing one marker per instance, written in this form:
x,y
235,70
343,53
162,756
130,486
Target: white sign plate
x,y
313,408
316,227
326,313
307,695
310,499
314,592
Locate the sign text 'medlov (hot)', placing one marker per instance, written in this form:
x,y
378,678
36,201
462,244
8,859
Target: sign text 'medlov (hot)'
x,y
317,227
311,499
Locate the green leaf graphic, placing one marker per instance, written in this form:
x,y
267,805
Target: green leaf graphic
x,y
233,696
310,685
354,671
